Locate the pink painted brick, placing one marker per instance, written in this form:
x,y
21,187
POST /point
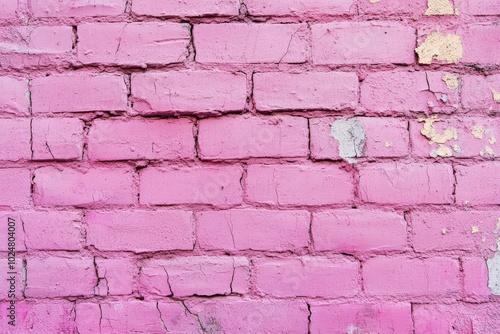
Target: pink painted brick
x,y
238,315
385,138
358,231
57,138
186,7
478,184
191,92
159,230
60,277
360,318
76,8
254,229
86,91
195,275
15,137
408,92
441,231
133,44
134,316
256,43
475,279
393,7
15,187
307,276
85,188
301,8
481,7
32,317
116,276
363,43
14,95
54,230
481,44
36,40
243,137
299,184
434,277
467,145
406,184
477,92
215,185
141,139
8,9
308,90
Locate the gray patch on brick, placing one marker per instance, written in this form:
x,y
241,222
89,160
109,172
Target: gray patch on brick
x,y
351,137
494,272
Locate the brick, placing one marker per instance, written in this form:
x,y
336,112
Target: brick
x,y
298,185
86,91
481,44
188,92
468,143
358,231
60,277
116,276
442,231
361,318
134,316
481,7
76,8
243,137
478,92
478,184
254,229
256,43
393,7
133,44
196,275
14,95
434,277
8,9
309,90
406,184
159,139
408,92
475,279
15,187
15,137
54,316
53,230
363,43
36,40
307,276
57,138
186,8
215,185
300,8
159,230
236,315
84,188
385,138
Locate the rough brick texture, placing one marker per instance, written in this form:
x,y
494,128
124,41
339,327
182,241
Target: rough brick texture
x,y
250,166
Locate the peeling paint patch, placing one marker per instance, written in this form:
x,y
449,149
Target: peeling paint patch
x,y
429,131
493,265
441,47
475,229
439,7
478,131
388,144
492,140
374,1
487,150
496,95
450,80
351,137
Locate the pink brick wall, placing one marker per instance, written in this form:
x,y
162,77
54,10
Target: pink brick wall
x,y
250,166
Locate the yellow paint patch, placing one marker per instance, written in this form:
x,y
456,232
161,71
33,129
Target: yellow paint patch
x,y
475,229
478,131
429,131
489,150
492,140
450,80
496,95
439,7
444,151
388,144
441,47
457,148
374,1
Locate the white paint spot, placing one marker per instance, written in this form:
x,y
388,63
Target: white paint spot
x,y
494,272
351,137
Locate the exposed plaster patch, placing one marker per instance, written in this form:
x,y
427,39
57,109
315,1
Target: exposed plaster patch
x,y
487,150
457,148
351,137
450,80
475,229
374,1
478,131
492,140
496,95
441,47
493,265
443,231
429,131
439,7
388,144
